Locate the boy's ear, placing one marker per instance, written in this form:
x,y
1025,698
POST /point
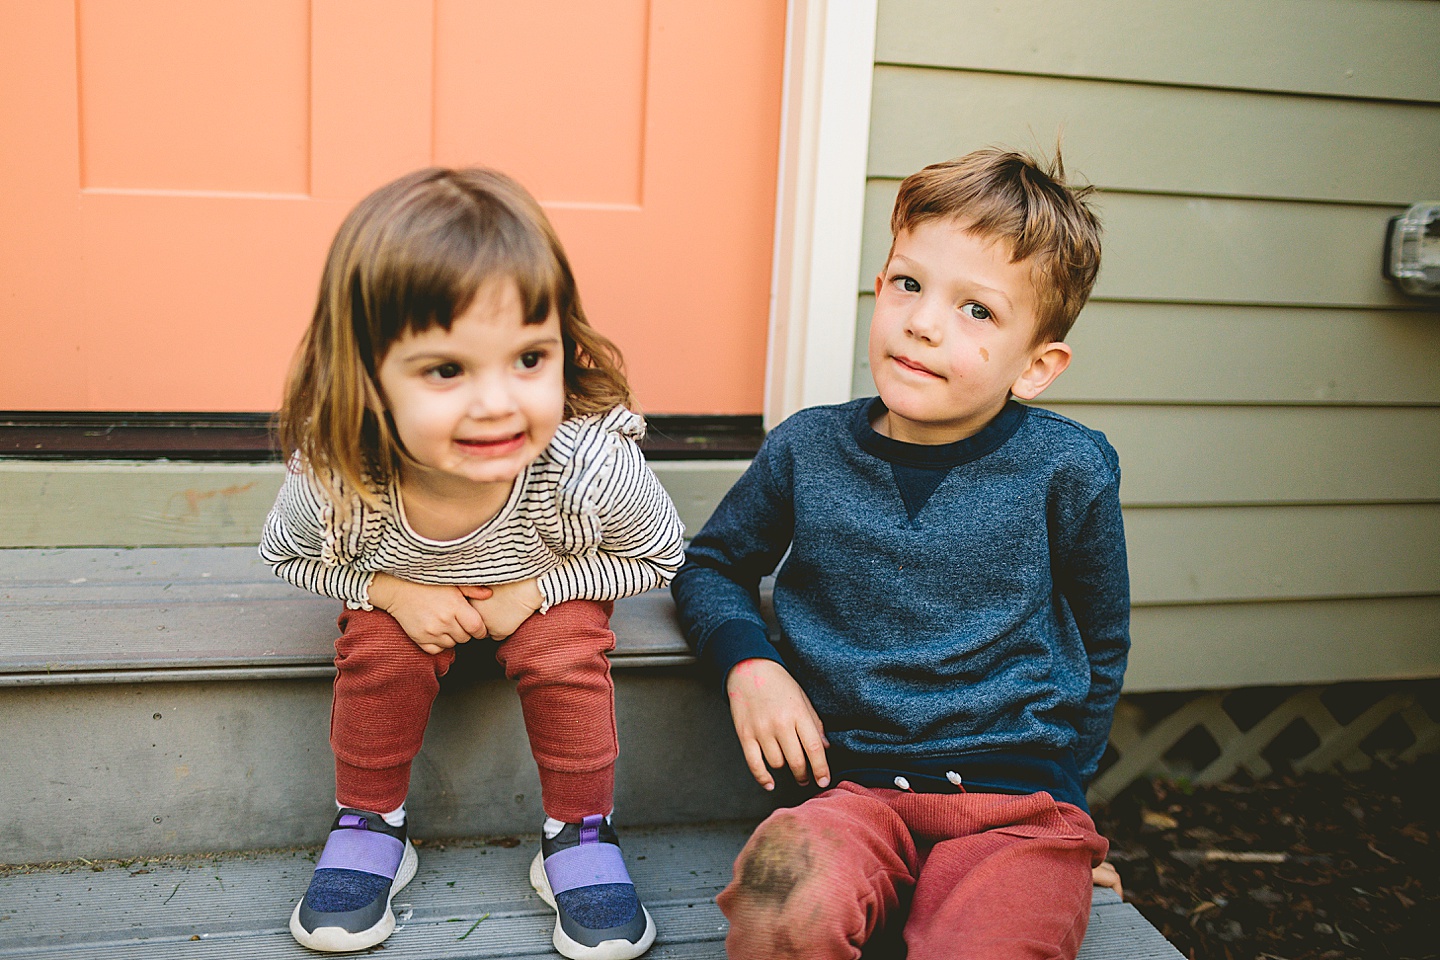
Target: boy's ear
x,y
879,282
1046,363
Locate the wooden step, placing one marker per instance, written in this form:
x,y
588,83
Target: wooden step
x,y
471,899
173,700
81,615
176,700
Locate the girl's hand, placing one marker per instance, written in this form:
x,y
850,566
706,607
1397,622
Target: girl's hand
x,y
505,606
776,723
1106,875
435,616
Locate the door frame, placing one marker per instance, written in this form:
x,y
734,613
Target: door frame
x,y
820,203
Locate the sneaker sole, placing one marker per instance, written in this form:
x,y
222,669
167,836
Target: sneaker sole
x,y
573,949
340,940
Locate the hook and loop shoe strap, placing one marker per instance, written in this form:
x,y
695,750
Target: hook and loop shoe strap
x,y
589,863
354,844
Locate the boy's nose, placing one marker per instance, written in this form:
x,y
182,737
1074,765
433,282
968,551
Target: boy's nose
x,y
924,324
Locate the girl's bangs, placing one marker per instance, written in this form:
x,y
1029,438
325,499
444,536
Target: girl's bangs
x,y
441,282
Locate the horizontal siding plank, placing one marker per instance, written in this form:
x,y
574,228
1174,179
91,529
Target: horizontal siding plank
x,y
1346,48
1226,554
1213,250
1172,455
1224,354
1163,139
1260,644
1192,353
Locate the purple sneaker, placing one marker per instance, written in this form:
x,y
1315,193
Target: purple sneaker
x,y
365,863
581,873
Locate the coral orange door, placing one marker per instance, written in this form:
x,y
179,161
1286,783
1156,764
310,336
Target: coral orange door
x,y
172,171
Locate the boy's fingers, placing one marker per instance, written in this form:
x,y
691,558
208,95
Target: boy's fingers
x,y
815,750
755,760
1106,875
795,759
773,753
476,592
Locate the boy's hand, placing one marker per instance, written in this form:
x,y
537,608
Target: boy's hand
x,y
435,616
776,724
1106,875
505,606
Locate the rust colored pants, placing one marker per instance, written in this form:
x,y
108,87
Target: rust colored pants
x,y
986,876
385,686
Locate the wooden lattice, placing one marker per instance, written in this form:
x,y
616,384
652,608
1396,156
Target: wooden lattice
x,y
1213,736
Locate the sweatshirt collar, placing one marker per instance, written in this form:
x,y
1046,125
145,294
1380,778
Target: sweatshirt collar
x,y
990,438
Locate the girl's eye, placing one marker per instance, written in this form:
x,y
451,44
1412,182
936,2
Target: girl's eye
x,y
976,311
908,284
446,371
530,359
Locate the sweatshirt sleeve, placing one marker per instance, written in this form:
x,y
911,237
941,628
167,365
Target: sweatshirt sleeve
x,y
620,534
717,592
298,543
1092,575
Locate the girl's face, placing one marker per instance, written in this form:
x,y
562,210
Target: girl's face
x,y
477,403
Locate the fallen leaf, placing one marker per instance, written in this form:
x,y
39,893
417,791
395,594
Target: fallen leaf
x,y
1158,821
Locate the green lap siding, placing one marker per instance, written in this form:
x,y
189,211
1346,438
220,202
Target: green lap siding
x,y
1275,402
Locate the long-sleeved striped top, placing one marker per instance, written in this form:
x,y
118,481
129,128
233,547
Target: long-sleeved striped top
x,y
587,519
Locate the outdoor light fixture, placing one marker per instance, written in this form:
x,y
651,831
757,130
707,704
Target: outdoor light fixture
x,y
1412,250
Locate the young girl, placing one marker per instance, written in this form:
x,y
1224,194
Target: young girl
x,y
462,464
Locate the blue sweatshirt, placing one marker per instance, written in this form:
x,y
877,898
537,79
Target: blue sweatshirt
x,y
962,607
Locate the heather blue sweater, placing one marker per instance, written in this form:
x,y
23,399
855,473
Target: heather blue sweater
x,y
962,607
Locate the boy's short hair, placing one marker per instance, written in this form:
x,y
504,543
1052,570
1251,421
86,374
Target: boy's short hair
x,y
1006,195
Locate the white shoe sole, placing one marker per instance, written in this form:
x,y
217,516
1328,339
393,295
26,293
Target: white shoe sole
x,y
340,940
574,950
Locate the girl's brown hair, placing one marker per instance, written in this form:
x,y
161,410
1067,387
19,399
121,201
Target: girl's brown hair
x,y
411,256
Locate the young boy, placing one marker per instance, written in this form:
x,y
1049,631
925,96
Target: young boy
x,y
954,608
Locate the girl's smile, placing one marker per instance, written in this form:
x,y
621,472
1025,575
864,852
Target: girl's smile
x,y
474,405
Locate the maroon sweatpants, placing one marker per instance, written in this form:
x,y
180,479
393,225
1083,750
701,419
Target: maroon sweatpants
x,y
385,686
988,876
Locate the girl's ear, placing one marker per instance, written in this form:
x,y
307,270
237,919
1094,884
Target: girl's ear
x,y
1046,363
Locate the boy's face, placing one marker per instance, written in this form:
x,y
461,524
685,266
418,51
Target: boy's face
x,y
954,334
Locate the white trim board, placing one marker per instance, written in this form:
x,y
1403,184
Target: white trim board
x,y
820,203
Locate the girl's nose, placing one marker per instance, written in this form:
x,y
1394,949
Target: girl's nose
x,y
491,397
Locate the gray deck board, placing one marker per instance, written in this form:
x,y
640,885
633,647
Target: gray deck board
x,y
238,905
198,613
232,906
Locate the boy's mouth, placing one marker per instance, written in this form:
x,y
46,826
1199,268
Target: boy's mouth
x,y
920,368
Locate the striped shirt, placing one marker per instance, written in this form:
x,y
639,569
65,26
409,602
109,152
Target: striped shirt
x,y
587,519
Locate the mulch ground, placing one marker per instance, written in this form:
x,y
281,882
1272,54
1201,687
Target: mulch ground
x,y
1313,867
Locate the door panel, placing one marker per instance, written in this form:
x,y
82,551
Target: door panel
x,y
174,172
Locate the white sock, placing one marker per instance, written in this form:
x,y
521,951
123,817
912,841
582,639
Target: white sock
x,y
553,826
395,818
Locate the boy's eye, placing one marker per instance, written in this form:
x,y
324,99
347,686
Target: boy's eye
x,y
976,311
445,371
908,284
530,359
